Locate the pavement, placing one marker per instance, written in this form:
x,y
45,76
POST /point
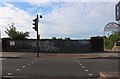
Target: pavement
x,y
109,75
53,55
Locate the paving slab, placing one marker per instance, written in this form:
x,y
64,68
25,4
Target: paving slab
x,y
48,55
109,75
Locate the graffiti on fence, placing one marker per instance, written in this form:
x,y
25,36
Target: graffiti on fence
x,y
48,46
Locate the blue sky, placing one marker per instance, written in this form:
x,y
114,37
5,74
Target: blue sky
x,y
77,20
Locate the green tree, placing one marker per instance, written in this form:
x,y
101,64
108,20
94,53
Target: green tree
x,y
22,35
67,38
110,41
14,34
11,31
54,38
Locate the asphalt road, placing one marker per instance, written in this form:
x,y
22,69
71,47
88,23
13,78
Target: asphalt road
x,y
57,67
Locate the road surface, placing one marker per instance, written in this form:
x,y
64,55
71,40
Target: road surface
x,y
57,67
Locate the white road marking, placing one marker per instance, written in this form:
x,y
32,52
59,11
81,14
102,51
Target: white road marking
x,y
2,59
17,69
90,74
77,60
83,66
23,66
28,64
32,62
86,70
9,73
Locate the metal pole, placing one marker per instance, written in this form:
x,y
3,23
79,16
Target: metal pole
x,y
104,40
37,40
118,37
37,46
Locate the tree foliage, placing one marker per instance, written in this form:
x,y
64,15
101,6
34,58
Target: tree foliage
x,y
110,41
67,38
14,34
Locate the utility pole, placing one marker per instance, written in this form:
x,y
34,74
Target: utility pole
x,y
36,20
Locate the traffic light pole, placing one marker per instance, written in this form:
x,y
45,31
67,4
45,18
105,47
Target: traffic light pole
x,y
37,40
37,45
38,37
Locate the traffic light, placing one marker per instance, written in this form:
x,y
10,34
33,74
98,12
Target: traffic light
x,y
35,24
40,16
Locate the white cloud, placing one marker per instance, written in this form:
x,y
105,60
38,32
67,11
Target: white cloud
x,y
43,1
60,0
79,18
70,20
10,14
